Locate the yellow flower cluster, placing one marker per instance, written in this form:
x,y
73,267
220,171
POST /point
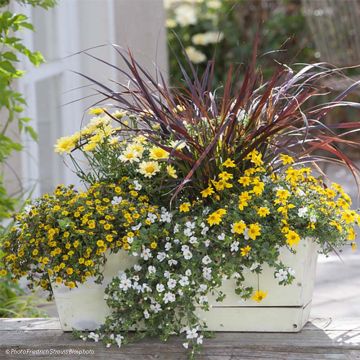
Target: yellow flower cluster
x,y
65,235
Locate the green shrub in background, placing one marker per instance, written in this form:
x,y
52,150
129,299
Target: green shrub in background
x,y
228,27
13,301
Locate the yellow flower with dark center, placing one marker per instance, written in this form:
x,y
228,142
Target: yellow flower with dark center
x,y
245,250
185,207
207,192
238,227
348,216
70,271
216,217
158,153
228,163
286,159
254,231
245,181
225,176
292,238
100,243
259,295
263,211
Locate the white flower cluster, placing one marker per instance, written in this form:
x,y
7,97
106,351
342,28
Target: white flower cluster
x,y
192,334
305,213
284,274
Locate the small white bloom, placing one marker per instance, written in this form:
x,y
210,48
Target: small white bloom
x,y
184,280
313,218
155,308
234,246
169,297
246,234
146,254
151,269
146,314
204,230
188,272
190,225
188,232
151,217
118,340
137,185
203,299
203,288
171,283
206,260
199,340
168,246
185,345
207,273
116,200
193,240
167,274
161,256
137,267
160,288
207,243
221,236
172,262
93,336
176,228
137,227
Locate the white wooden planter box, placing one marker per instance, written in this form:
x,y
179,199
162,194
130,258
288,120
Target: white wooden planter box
x,y
84,307
285,309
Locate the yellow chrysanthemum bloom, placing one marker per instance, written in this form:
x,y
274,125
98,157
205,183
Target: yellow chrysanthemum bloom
x,y
149,168
129,156
158,153
259,295
65,144
96,111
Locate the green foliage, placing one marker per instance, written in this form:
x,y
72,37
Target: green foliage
x,y
13,301
283,28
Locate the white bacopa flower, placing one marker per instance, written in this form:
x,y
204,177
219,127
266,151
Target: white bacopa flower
x,y
151,217
188,272
137,267
116,200
169,297
167,274
125,284
192,333
221,236
161,256
234,246
184,280
176,228
27,208
160,288
190,225
203,299
146,314
207,243
203,288
171,283
207,273
168,246
136,227
172,262
206,211
188,232
130,240
176,241
165,215
146,254
281,275
155,308
246,234
185,345
193,240
137,185
206,260
254,266
302,212
291,271
204,230
313,218
118,340
151,269
93,336
180,292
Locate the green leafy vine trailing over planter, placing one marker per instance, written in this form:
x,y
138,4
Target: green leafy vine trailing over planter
x,y
13,301
223,186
